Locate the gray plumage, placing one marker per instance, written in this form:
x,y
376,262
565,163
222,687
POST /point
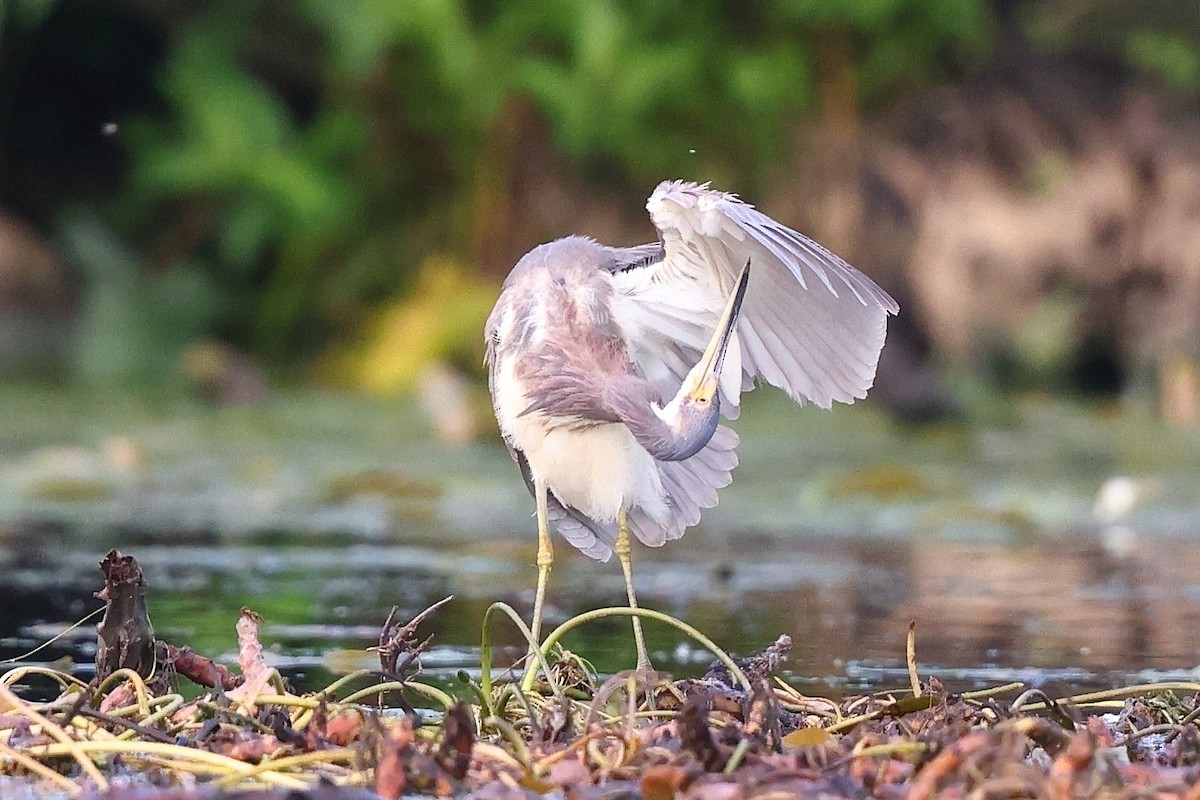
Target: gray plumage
x,y
589,350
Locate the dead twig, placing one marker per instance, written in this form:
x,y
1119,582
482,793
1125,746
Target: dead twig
x,y
396,640
200,670
125,637
910,656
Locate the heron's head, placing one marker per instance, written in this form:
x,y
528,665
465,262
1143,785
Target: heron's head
x,y
693,413
692,421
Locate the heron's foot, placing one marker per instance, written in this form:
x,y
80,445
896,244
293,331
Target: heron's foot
x,y
645,688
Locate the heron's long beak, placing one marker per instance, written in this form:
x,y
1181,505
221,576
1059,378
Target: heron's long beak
x,y
708,368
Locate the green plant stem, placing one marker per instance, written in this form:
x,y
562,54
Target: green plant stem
x,y
431,692
625,611
485,655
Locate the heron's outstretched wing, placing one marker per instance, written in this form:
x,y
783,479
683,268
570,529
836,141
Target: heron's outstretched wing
x,y
811,324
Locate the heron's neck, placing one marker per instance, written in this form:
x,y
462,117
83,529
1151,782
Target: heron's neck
x,y
672,432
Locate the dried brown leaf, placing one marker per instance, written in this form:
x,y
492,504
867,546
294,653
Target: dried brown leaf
x,y
458,738
696,738
390,777
254,749
343,727
664,781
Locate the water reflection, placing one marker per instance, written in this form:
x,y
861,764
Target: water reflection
x,y
1054,603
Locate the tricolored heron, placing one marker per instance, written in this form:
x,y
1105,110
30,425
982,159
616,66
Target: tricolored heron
x,y
609,366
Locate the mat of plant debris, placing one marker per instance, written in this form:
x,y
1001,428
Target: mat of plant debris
x,y
735,732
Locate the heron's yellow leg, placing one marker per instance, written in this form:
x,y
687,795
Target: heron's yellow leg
x,y
545,558
622,550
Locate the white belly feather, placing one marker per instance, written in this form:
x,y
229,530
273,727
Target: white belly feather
x,y
595,469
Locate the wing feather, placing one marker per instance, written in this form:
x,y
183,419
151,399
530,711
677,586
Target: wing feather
x,y
592,538
811,324
690,486
797,358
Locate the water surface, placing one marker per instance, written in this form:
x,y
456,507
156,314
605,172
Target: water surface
x,y
321,512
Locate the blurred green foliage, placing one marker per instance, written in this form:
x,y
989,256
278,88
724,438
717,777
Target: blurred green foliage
x,y
1175,57
408,94
292,164
1160,38
301,160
